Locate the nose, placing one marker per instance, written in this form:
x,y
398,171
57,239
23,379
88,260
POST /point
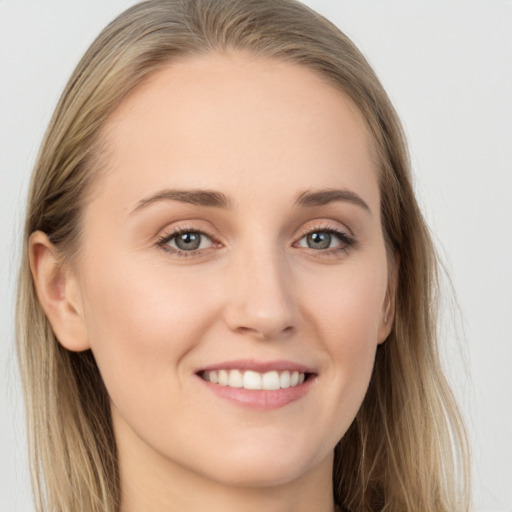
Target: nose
x,y
261,302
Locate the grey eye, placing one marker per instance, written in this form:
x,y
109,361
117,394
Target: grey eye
x,y
189,241
319,240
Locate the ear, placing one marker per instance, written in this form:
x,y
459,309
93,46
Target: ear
x,y
388,310
58,293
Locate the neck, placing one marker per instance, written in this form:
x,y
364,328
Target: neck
x,y
214,497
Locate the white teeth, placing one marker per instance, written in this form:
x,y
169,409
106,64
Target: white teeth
x,y
284,380
235,379
270,380
253,380
223,377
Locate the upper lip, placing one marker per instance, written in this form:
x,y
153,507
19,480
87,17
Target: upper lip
x,y
258,366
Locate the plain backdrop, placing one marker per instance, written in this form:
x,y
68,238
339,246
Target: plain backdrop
x,y
447,65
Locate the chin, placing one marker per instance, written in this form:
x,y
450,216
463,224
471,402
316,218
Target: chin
x,y
264,468
249,474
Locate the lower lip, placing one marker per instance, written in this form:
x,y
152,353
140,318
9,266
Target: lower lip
x,y
261,399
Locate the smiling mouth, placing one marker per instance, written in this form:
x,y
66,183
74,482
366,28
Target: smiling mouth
x,y
252,380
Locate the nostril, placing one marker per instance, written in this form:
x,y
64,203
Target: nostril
x,y
266,331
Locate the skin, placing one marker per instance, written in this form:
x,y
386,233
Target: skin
x,y
260,132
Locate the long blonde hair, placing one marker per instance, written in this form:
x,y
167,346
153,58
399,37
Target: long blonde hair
x,y
406,449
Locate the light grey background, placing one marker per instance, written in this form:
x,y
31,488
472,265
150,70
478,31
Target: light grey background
x,y
447,65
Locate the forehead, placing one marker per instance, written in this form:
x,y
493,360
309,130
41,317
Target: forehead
x,y
230,120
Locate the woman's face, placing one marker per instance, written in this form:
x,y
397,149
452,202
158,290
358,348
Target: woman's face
x,y
234,239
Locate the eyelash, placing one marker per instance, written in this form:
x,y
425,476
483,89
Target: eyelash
x,y
348,241
166,238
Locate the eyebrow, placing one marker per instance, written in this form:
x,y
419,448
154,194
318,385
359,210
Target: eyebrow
x,y
310,199
214,199
199,197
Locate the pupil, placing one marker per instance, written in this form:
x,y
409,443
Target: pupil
x,y
319,240
188,241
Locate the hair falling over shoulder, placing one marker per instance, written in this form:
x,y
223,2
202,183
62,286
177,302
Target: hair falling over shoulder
x,y
407,448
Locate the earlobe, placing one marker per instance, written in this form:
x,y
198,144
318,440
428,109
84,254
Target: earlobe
x,y
386,323
388,313
58,293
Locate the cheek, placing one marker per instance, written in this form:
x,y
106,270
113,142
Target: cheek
x,y
347,304
346,313
143,322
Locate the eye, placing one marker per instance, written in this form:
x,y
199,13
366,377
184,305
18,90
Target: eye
x,y
320,240
183,241
326,239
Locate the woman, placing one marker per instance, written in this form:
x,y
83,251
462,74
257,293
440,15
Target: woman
x,y
227,297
